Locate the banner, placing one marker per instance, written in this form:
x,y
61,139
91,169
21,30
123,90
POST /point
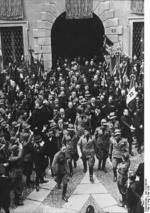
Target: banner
x,y
79,9
137,6
131,95
11,9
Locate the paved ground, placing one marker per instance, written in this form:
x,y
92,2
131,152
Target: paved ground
x,y
103,194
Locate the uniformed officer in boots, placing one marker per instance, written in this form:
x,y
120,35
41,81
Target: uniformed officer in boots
x,y
102,137
40,160
133,198
122,177
86,151
61,171
118,146
70,140
16,171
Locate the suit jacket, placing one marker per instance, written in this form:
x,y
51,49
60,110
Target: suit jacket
x,y
87,147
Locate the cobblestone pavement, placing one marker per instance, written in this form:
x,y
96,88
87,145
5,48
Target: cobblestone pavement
x,y
54,198
49,197
107,178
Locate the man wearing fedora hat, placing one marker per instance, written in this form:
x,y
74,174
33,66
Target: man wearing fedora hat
x,y
118,146
113,123
52,143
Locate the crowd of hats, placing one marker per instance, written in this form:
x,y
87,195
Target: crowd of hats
x,y
70,81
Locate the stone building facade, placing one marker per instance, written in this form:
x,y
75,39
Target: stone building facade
x,y
118,17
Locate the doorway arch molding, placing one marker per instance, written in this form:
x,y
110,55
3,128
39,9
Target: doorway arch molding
x,y
50,11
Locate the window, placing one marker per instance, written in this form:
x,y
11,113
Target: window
x,y
12,44
137,37
13,41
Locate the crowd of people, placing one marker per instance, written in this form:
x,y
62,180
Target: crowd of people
x,y
76,110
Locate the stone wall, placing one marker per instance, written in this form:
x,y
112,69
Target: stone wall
x,y
41,16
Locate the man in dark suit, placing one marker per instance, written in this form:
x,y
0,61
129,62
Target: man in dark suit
x,y
127,128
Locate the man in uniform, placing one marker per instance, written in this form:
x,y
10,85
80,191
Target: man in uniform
x,y
118,146
70,140
40,160
127,128
133,198
102,136
60,171
15,171
122,177
86,151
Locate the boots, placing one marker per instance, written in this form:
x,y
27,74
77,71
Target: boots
x,y
19,201
91,174
85,166
29,182
130,149
103,165
70,168
64,193
99,165
115,174
75,164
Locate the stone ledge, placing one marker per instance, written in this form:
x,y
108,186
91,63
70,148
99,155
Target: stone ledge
x,y
44,49
43,33
35,33
113,38
104,6
51,8
44,16
99,7
111,22
47,56
44,24
47,16
35,41
44,41
48,64
107,15
114,30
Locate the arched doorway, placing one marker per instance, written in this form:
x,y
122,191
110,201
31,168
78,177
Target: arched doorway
x,y
77,37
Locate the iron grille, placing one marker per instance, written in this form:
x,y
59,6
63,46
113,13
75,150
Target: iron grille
x,y
12,44
138,39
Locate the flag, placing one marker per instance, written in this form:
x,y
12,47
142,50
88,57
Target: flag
x,y
41,66
131,97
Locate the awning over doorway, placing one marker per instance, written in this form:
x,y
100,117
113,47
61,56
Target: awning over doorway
x,y
11,9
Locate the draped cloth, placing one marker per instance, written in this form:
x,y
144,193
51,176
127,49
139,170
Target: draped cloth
x,y
11,9
137,6
79,9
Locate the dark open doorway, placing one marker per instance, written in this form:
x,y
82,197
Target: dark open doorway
x,y
77,38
